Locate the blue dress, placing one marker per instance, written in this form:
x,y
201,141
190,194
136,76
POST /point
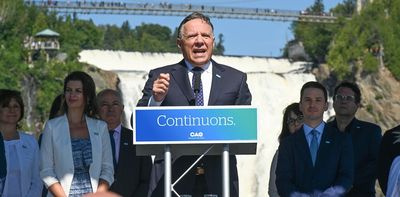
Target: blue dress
x,y
82,155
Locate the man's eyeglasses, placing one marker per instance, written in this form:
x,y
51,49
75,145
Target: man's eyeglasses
x,y
339,97
297,120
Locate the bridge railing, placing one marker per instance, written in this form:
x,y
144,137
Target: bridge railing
x,y
129,8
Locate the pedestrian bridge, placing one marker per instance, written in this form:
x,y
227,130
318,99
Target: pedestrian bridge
x,y
168,9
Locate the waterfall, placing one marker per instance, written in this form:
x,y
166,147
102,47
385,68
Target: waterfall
x,y
274,83
29,92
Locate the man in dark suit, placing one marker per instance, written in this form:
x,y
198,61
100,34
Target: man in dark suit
x,y
173,86
388,151
132,173
366,138
317,159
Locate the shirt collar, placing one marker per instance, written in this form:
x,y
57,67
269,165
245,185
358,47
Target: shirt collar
x,y
118,129
319,128
348,128
206,67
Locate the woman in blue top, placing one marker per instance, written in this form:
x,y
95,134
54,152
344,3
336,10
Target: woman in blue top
x,y
76,156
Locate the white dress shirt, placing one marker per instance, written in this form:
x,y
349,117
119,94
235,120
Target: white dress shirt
x,y
206,80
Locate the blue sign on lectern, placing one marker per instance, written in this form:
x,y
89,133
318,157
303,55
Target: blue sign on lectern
x,y
186,125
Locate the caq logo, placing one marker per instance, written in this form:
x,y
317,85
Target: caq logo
x,y
196,134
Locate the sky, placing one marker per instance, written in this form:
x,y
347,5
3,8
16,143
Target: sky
x,y
241,37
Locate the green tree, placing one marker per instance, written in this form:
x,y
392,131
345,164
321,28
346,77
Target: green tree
x,y
346,9
317,9
315,37
153,38
219,48
357,46
111,38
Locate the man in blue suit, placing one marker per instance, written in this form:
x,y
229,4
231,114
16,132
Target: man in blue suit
x,y
179,85
317,159
366,138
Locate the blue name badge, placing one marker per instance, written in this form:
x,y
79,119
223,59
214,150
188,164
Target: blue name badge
x,y
195,125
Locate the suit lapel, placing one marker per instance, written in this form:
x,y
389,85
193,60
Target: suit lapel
x,y
354,126
122,148
216,83
302,146
326,141
180,75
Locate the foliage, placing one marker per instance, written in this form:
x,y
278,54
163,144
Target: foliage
x,y
369,36
354,44
346,8
391,36
315,37
152,38
219,47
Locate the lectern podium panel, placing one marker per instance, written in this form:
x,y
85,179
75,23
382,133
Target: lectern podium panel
x,y
196,149
170,132
191,130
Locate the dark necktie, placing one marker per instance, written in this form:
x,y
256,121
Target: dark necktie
x,y
197,86
314,145
111,132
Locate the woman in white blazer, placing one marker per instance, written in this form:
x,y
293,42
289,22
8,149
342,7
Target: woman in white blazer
x,y
76,156
21,150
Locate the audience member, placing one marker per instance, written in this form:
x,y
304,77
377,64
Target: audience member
x,y
56,107
317,159
21,149
292,121
366,138
55,110
388,152
132,173
76,156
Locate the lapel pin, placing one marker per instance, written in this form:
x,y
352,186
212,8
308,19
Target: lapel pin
x,y
327,142
126,143
217,75
358,127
